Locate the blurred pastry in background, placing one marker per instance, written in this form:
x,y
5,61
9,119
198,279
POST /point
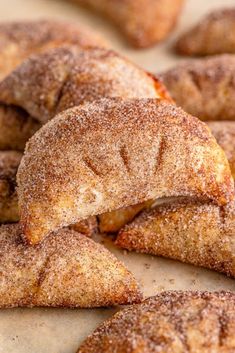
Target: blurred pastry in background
x,y
143,22
67,270
20,39
214,34
204,88
173,321
224,132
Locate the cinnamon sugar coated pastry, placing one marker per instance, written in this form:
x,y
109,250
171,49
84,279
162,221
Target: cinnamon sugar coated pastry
x,y
170,322
214,34
67,270
20,39
143,22
9,162
202,234
65,77
114,153
16,127
204,87
224,132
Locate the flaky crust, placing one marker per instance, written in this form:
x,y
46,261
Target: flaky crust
x,y
193,322
143,22
65,77
204,87
224,132
16,127
114,153
18,40
9,162
214,34
198,233
67,270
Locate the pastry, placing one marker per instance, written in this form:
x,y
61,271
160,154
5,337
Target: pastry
x,y
170,322
204,87
65,77
202,234
9,162
224,132
143,22
16,127
67,270
20,39
214,34
114,153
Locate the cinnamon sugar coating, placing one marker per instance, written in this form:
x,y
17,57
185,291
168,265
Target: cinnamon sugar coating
x,y
20,39
16,127
65,77
202,234
143,22
204,87
67,270
114,153
9,162
224,132
174,321
214,34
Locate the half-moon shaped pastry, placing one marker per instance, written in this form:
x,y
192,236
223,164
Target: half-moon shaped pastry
x,y
9,162
224,132
16,127
20,39
170,322
143,22
66,77
202,234
68,270
114,153
204,87
214,34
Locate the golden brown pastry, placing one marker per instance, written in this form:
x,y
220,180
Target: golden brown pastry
x,y
204,87
143,22
16,127
67,270
20,39
66,77
9,162
170,322
224,132
214,34
114,153
202,234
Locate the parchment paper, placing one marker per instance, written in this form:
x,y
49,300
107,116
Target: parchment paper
x,y
62,330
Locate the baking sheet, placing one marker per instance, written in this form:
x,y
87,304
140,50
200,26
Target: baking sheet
x,y
61,330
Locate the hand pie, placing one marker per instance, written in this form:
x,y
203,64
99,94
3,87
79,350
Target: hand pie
x,y
16,127
20,39
9,162
202,234
214,34
114,153
143,22
224,132
67,270
170,322
204,87
66,77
